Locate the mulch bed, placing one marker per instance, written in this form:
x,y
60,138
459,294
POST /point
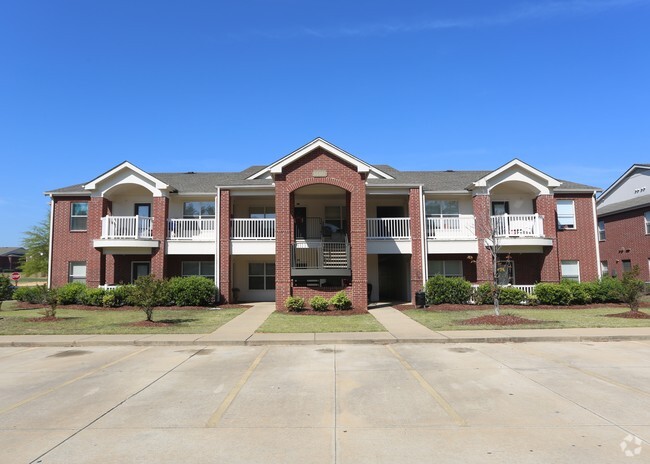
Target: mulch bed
x,y
501,320
331,312
470,307
631,315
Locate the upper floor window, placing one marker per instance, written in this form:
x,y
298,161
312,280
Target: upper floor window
x,y
499,208
566,215
261,212
601,230
441,208
571,270
79,216
198,209
647,222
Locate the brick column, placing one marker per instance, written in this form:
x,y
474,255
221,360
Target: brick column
x,y
481,205
283,238
225,283
358,247
545,206
159,232
416,241
95,264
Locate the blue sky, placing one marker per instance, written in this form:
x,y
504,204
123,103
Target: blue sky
x,y
218,86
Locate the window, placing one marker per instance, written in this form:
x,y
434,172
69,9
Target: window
x,y
627,265
447,268
198,209
505,272
441,208
601,230
198,268
646,215
604,270
571,270
77,271
566,216
336,216
499,208
261,212
261,276
79,216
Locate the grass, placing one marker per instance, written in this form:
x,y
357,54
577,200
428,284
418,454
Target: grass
x,y
76,321
296,323
550,318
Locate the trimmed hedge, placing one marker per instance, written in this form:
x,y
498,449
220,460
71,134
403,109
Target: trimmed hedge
x,y
512,296
454,290
190,291
295,303
36,294
341,301
319,303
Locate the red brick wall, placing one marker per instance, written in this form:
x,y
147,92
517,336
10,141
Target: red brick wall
x,y
626,240
160,214
549,262
415,215
67,245
580,244
224,246
482,210
307,293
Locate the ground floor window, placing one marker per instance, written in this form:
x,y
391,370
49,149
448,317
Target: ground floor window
x,y
77,272
627,265
198,268
604,269
446,267
261,276
571,270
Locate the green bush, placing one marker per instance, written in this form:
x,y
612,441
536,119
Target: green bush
x,y
70,293
605,290
92,297
34,295
553,294
190,291
483,294
579,292
318,303
512,296
120,296
341,301
632,288
454,290
294,303
109,300
6,288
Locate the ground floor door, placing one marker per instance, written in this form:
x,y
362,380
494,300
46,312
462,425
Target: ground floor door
x,y
393,277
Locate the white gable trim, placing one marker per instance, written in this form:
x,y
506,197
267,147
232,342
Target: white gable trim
x,y
621,179
152,183
484,181
278,166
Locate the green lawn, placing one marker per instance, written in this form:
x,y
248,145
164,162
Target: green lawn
x,y
297,323
75,321
550,318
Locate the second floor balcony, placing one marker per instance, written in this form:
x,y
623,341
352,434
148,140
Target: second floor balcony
x,y
451,228
127,227
518,225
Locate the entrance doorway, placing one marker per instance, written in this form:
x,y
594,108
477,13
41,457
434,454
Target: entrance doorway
x,y
300,216
393,277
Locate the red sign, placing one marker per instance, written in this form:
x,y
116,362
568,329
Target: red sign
x,y
15,276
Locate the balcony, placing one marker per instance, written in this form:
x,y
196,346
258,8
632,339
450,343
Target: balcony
x,y
191,229
320,259
388,228
252,229
451,228
127,227
518,225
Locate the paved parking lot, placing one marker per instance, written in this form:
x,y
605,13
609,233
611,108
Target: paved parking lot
x,y
404,403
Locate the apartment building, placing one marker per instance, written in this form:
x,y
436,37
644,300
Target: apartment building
x,y
319,220
624,223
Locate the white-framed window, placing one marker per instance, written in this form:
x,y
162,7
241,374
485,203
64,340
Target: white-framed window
x,y
446,267
646,216
198,209
261,276
499,208
601,230
570,270
261,212
604,269
441,208
198,268
77,271
79,216
336,216
566,214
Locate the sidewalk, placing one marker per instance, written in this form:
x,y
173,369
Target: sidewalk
x,y
399,329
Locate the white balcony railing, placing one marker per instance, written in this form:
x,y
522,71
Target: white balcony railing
x,y
388,228
252,229
191,229
451,228
127,227
325,255
518,225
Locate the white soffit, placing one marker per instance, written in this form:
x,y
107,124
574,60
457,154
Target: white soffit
x,y
128,173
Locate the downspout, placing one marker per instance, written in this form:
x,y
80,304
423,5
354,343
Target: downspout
x,y
598,269
49,251
424,244
217,239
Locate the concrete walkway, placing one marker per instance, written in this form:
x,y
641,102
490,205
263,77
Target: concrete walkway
x,y
399,329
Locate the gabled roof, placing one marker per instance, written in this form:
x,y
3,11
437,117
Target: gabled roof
x,y
12,251
483,181
126,166
627,205
278,166
621,179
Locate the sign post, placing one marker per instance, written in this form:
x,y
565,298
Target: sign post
x,y
15,276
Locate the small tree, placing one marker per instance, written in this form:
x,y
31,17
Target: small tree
x,y
147,293
36,242
52,300
631,288
493,245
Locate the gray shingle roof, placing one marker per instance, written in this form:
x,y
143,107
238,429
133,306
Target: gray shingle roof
x,y
637,202
12,251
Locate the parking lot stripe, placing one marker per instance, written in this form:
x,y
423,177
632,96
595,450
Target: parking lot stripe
x,y
218,414
429,388
68,382
18,352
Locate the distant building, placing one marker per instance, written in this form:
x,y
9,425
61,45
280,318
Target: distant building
x,y
319,220
624,223
10,258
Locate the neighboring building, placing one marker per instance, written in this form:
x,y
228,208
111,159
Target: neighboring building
x,y
624,223
10,258
319,220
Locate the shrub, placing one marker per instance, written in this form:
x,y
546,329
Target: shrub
x,y
109,300
318,303
454,290
341,301
71,293
147,293
190,291
579,292
483,294
605,290
121,296
512,296
52,299
632,288
532,300
294,303
553,294
92,297
34,295
6,288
